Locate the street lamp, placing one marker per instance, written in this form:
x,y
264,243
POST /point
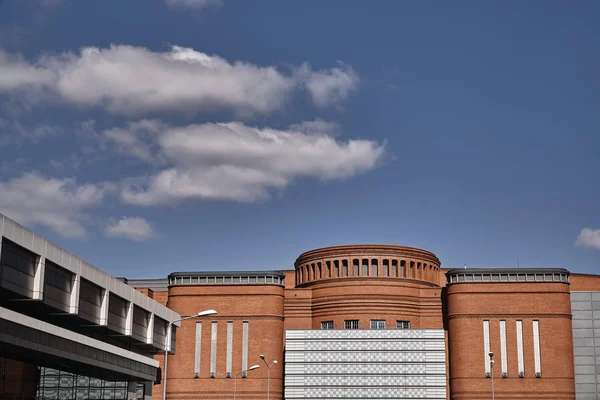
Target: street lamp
x,y
168,343
239,373
491,354
262,357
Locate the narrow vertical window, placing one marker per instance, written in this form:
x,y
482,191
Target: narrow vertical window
x,y
229,349
520,361
536,349
374,268
503,355
213,349
365,267
345,267
386,267
197,349
355,268
394,268
244,348
486,347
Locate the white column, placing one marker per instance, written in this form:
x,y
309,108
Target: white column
x,y
104,307
38,279
228,361
150,330
244,347
486,348
536,349
213,350
503,352
521,361
198,349
129,319
74,300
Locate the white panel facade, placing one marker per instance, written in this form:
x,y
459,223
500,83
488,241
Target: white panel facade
x,y
359,364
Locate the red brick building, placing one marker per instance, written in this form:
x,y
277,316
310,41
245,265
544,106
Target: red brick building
x,y
377,321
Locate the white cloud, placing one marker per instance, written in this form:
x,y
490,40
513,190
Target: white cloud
x,y
193,3
130,80
137,138
16,73
329,86
132,228
58,204
589,237
236,162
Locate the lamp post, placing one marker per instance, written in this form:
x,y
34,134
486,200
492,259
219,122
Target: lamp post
x,y
491,354
239,373
168,343
262,357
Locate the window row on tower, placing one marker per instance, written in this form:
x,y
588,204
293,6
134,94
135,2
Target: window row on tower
x,y
366,267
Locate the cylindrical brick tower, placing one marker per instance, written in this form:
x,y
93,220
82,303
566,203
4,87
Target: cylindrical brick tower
x,y
371,282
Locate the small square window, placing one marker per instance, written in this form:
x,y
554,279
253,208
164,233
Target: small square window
x,y
351,324
377,324
326,324
402,324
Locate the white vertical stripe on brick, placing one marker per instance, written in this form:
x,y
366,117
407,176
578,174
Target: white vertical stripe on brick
x,y
536,349
229,349
486,347
521,362
213,350
244,347
197,349
503,352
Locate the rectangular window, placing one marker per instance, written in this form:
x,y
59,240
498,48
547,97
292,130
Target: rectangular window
x,y
374,271
326,324
486,347
386,268
351,324
521,361
229,349
365,269
503,355
197,349
213,349
355,268
536,349
402,324
345,267
244,348
378,324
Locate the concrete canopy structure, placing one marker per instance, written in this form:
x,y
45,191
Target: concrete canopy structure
x,y
58,311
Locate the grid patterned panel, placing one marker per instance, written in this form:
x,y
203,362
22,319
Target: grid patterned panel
x,y
586,341
365,364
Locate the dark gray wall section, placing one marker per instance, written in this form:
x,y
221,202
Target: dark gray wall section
x,y
586,341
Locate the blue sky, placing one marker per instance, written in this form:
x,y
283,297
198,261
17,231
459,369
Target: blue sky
x,y
152,136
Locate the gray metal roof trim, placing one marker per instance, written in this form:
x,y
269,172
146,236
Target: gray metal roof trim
x,y
227,273
507,271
